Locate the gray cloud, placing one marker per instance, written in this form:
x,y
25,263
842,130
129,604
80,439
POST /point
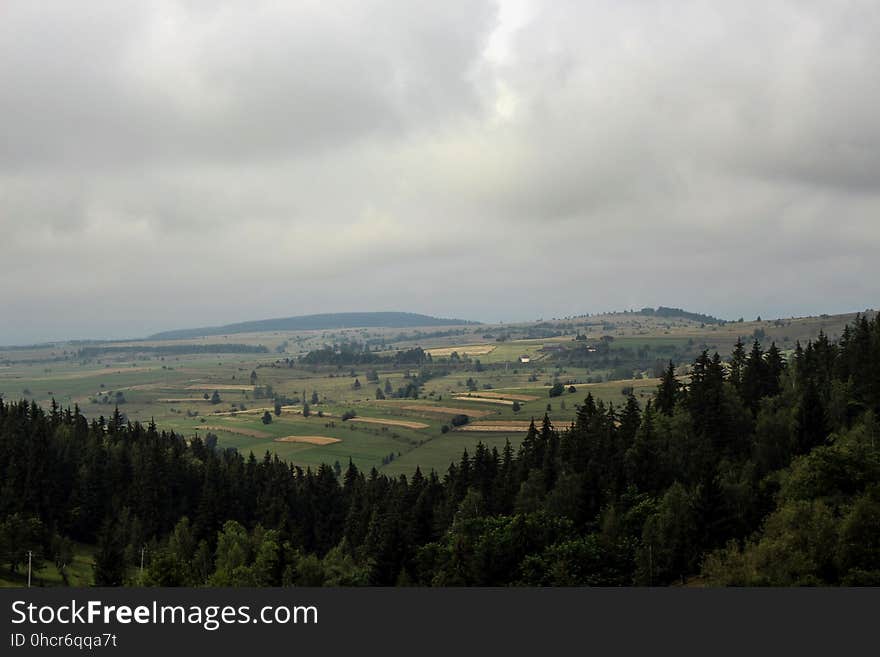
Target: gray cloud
x,y
176,163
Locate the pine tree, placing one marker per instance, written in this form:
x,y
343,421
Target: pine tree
x,y
775,367
668,391
630,420
754,378
737,365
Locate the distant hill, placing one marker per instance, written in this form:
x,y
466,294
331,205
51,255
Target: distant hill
x,y
663,311
315,322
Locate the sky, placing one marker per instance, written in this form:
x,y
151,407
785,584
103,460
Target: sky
x,y
178,163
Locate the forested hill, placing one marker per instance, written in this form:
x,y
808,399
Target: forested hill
x,y
753,470
316,322
663,311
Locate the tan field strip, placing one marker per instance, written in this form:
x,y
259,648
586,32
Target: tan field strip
x,y
503,395
485,400
91,373
496,426
311,440
295,410
466,350
180,400
445,410
218,386
396,423
253,433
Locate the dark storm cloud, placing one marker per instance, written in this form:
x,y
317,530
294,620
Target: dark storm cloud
x,y
166,164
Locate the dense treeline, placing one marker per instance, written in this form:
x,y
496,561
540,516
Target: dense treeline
x,y
759,470
678,313
357,353
623,362
173,349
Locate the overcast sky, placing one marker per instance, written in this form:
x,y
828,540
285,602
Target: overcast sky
x,y
168,164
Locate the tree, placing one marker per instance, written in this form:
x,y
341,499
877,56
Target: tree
x,y
277,409
315,398
267,418
380,394
233,557
62,555
669,549
557,389
668,391
306,410
215,398
356,385
253,377
737,365
109,566
754,379
459,420
515,407
18,535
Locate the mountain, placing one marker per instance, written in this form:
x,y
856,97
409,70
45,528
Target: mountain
x,y
315,322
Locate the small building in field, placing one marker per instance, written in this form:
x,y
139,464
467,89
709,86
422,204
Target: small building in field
x,y
524,358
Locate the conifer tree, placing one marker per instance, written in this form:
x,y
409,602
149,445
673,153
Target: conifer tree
x,y
668,391
109,565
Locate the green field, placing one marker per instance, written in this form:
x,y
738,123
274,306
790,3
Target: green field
x,y
170,389
79,572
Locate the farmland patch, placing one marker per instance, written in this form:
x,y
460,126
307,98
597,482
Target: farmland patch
x,y
496,426
485,400
253,433
310,440
446,410
467,350
505,395
397,423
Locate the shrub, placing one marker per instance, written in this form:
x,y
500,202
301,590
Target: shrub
x,y
459,420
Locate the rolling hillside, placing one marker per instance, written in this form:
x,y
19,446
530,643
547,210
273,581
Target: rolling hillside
x,y
315,322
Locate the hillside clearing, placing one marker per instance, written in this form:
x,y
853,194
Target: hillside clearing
x,y
445,410
253,433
